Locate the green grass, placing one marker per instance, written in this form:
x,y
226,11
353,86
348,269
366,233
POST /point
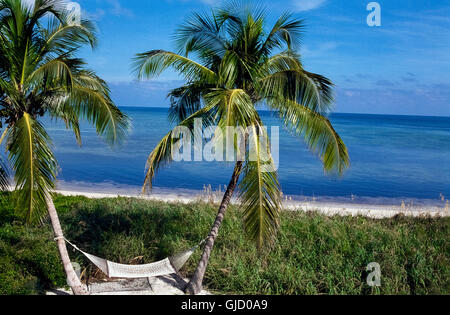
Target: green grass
x,y
314,254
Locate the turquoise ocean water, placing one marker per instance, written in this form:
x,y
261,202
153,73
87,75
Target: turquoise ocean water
x,y
394,159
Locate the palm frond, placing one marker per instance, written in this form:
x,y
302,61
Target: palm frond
x,y
235,114
202,34
4,134
163,155
154,62
57,71
4,176
236,71
318,132
90,99
286,31
236,12
61,37
234,107
43,8
260,192
286,60
67,114
34,164
311,90
186,100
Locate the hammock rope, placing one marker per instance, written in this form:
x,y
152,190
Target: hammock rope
x,y
164,267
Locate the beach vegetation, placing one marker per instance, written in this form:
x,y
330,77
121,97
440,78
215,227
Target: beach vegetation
x,y
313,254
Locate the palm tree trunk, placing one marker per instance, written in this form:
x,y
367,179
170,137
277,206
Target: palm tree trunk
x,y
196,284
72,278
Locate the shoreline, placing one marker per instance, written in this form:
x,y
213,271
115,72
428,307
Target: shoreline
x,y
329,208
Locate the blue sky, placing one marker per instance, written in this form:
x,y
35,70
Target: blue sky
x,y
402,67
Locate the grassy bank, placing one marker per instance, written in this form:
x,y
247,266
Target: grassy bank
x,y
314,254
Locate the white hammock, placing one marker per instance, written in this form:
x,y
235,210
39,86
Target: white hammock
x,y
164,267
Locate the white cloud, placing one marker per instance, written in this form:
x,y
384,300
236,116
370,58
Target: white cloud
x,y
116,8
209,2
306,5
110,8
319,50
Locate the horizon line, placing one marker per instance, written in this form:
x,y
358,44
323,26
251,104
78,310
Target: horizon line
x,y
343,113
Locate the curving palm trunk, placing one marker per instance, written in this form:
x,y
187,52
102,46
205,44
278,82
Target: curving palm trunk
x,y
72,278
196,284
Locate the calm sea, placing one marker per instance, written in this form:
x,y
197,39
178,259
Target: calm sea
x,y
394,158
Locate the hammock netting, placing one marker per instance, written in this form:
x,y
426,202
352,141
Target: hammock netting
x,y
164,267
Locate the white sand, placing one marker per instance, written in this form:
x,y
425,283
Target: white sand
x,y
167,285
327,208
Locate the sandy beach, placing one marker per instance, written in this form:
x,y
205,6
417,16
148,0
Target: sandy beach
x,y
328,208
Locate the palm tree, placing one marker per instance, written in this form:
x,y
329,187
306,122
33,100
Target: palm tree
x,y
237,66
40,76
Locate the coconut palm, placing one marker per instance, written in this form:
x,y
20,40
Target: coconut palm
x,y
41,76
238,65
